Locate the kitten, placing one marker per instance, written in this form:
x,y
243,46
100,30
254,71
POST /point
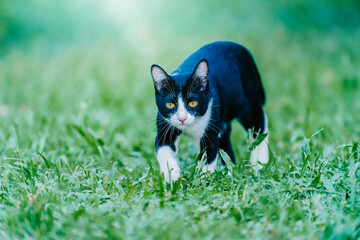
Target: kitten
x,y
216,84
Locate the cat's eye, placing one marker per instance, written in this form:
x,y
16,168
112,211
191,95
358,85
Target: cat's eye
x,y
170,105
193,104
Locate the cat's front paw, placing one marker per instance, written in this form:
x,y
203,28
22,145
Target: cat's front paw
x,y
260,154
168,164
209,167
171,171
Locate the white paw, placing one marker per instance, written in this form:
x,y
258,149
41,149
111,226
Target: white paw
x,y
168,163
171,171
209,167
260,154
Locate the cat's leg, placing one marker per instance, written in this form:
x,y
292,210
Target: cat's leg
x,y
261,151
168,162
166,149
225,142
257,120
209,145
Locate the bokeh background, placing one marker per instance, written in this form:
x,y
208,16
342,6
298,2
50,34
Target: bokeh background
x,y
59,57
75,85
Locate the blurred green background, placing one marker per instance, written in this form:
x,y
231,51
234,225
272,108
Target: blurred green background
x,y
75,86
61,57
58,55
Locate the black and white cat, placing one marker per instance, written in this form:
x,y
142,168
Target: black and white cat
x,y
216,84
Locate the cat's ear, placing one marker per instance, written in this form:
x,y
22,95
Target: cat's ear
x,y
160,77
200,74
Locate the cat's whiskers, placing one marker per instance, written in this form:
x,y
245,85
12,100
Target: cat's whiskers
x,y
166,132
213,126
163,134
158,122
208,139
170,130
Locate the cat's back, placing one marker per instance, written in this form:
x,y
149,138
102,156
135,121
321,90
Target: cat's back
x,y
232,71
222,56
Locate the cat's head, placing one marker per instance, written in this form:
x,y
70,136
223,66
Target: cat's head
x,y
182,99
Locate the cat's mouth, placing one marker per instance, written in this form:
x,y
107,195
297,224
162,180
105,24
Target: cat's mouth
x,y
182,123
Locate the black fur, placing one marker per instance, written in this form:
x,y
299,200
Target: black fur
x,y
232,83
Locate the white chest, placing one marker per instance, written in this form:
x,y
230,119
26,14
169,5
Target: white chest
x,y
197,130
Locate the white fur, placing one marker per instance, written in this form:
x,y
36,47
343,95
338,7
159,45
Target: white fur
x,y
168,163
192,127
197,129
210,167
202,69
174,74
261,152
158,74
181,113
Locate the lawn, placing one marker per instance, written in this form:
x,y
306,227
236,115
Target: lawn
x,y
77,122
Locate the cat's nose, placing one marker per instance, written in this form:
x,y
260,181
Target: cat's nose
x,y
182,120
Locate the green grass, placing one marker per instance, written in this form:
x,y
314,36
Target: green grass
x,y
77,128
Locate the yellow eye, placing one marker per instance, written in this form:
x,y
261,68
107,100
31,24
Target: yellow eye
x,y
193,103
170,105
